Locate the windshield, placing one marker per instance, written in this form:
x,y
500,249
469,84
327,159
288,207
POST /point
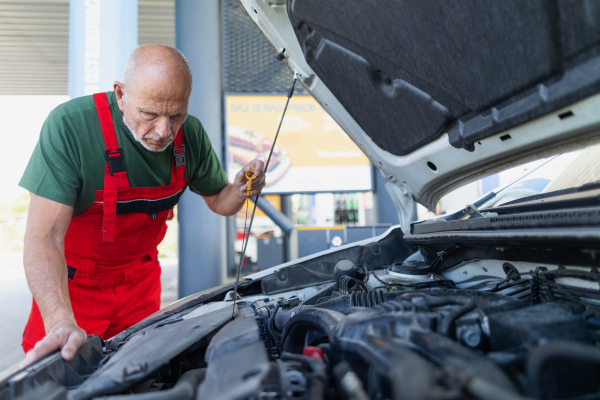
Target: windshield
x,y
563,171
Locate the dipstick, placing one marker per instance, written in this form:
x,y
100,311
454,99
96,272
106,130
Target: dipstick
x,y
247,235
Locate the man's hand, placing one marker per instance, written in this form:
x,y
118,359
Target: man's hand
x,y
65,336
233,196
258,183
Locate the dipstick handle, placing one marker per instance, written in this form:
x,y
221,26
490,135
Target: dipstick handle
x,y
250,175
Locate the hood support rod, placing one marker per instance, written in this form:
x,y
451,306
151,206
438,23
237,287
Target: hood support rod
x,y
247,236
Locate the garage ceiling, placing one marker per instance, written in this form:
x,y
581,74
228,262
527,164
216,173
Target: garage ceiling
x,y
34,42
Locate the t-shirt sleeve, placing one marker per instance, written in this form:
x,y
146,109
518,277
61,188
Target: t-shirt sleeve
x,y
209,177
52,171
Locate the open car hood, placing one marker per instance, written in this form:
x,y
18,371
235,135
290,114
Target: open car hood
x,y
500,300
439,94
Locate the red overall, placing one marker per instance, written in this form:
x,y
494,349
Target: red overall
x,y
111,248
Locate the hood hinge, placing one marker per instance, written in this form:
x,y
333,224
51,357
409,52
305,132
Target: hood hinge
x,y
404,202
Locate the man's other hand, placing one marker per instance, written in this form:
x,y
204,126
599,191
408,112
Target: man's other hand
x,y
65,336
257,183
232,197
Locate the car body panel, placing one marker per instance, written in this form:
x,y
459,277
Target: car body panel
x,y
498,300
436,160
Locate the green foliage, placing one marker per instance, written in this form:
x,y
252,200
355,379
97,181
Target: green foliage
x,y
18,205
13,218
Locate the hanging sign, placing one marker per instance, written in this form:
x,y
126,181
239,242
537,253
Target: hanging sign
x,y
312,153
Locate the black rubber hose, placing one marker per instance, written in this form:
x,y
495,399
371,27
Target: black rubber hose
x,y
271,324
357,299
185,389
320,322
367,299
563,354
466,305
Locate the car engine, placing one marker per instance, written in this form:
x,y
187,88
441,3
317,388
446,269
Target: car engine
x,y
395,318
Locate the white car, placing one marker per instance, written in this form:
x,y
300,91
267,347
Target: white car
x,y
491,302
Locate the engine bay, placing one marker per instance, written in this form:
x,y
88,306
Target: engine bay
x,y
357,323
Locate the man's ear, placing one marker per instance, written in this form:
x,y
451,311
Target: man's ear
x,y
120,93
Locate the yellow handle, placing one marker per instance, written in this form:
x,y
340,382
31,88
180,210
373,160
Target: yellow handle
x,y
249,177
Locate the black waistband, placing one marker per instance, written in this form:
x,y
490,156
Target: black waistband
x,y
148,206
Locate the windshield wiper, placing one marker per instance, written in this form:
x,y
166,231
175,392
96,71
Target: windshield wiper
x,y
587,195
460,214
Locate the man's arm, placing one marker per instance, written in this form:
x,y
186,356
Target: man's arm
x,y
232,197
46,272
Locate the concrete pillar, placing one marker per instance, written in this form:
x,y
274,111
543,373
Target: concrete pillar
x,y
202,239
102,34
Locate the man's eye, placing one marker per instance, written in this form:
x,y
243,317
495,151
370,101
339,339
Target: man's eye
x,y
147,115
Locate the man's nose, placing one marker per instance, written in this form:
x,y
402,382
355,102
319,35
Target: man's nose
x,y
163,127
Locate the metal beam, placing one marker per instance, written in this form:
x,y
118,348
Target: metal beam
x,y
202,249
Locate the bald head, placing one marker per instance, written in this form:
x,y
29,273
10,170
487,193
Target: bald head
x,y
158,65
154,95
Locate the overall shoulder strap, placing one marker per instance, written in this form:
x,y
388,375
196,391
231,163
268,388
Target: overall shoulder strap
x,y
178,169
115,175
106,122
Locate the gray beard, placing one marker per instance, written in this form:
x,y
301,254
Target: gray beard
x,y
140,141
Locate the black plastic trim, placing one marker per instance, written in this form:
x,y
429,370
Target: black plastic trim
x,y
581,217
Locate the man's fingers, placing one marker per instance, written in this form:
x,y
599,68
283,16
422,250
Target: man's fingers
x,y
68,351
257,165
75,340
67,338
29,358
42,348
256,184
259,185
256,187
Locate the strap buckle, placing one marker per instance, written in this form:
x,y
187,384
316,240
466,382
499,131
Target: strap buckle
x,y
179,154
116,162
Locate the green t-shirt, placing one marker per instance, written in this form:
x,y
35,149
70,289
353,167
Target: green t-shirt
x,y
67,164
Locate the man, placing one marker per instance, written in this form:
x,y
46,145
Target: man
x,y
103,177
